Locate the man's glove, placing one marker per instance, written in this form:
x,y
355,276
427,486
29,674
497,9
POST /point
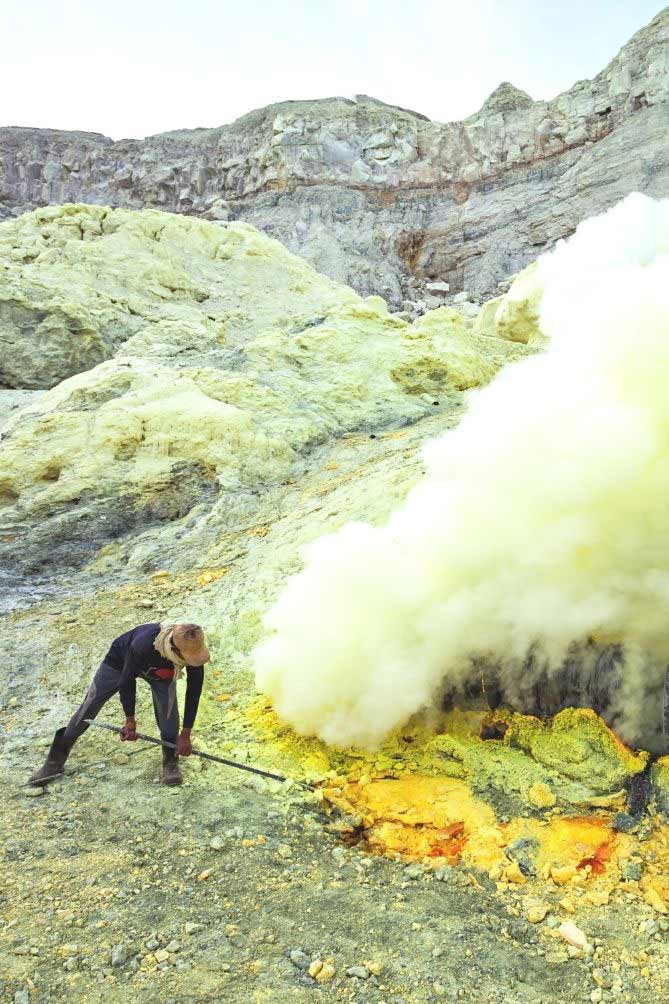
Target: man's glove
x,y
184,747
129,731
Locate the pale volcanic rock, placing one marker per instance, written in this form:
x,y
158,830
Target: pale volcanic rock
x,y
229,361
374,195
80,281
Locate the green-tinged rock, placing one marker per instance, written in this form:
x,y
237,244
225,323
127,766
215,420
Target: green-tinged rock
x,y
659,779
517,315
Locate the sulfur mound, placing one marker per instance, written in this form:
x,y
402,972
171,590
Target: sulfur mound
x,y
230,359
78,282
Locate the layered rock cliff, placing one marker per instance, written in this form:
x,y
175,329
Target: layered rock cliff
x,y
379,197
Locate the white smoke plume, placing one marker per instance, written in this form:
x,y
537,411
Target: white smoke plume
x,y
542,519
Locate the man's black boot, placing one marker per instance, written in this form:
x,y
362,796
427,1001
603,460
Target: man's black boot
x,y
171,773
55,761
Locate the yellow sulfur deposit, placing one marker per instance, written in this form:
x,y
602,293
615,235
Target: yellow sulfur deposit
x,y
517,313
221,357
410,801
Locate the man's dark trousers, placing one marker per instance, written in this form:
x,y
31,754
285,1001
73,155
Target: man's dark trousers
x,y
105,684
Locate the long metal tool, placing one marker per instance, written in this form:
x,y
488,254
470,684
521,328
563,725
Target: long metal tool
x,y
204,756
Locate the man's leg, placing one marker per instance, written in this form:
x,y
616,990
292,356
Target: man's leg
x,y
103,686
166,710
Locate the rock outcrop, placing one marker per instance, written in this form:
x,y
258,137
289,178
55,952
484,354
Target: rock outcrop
x,y
223,362
379,197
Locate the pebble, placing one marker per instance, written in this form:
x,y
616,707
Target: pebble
x,y
190,927
33,793
327,973
217,843
632,869
161,955
173,946
299,958
573,935
152,944
361,972
22,997
624,823
119,955
536,914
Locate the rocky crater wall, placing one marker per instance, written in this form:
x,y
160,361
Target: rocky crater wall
x,y
378,197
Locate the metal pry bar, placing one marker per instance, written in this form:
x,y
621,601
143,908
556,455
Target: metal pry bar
x,y
204,756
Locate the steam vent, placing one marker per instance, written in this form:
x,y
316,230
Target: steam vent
x,y
417,500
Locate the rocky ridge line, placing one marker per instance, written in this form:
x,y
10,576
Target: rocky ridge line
x,y
378,197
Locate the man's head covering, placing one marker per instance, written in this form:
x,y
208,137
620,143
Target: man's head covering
x,y
182,644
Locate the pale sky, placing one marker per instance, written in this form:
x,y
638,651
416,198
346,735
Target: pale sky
x,y
130,68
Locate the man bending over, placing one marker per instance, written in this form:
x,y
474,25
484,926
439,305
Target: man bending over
x,y
157,653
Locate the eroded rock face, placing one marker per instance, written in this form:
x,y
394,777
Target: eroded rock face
x,y
226,362
379,197
80,281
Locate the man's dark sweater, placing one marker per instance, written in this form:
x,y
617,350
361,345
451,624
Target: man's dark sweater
x,y
133,655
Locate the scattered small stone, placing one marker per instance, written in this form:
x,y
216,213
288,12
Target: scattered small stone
x,y
360,972
173,946
299,958
22,997
119,955
284,851
632,869
327,973
541,796
217,843
573,935
161,955
152,944
204,875
563,875
120,759
33,793
537,913
191,927
315,968
624,823
375,968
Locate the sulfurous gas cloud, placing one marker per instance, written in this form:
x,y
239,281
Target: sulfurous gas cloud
x,y
543,519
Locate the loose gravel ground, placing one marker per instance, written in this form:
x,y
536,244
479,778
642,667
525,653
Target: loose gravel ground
x,y
116,888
